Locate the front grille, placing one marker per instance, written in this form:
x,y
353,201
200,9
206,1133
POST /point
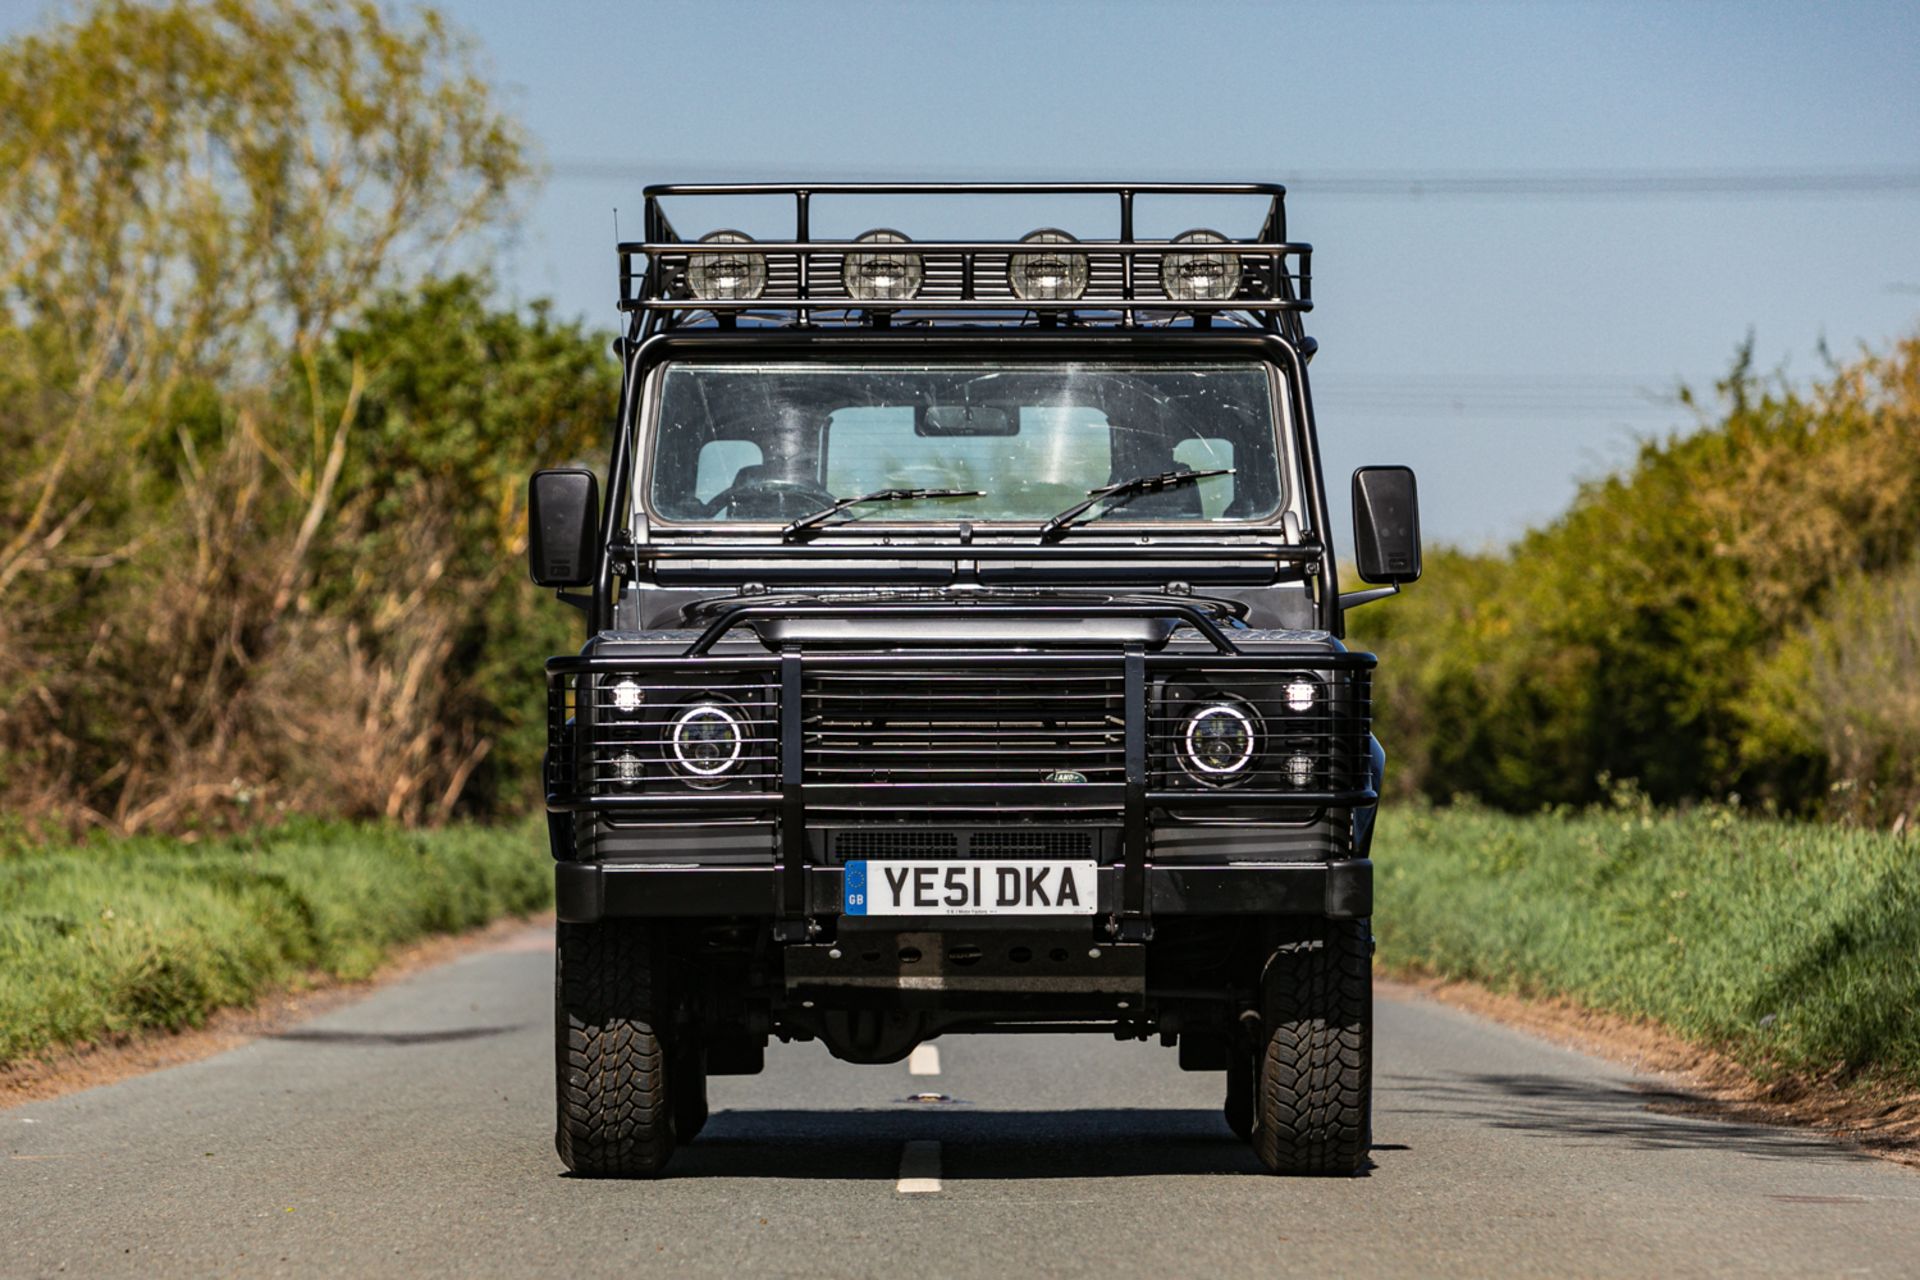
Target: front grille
x,y
959,733
917,842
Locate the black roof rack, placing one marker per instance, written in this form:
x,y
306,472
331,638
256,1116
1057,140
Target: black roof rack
x,y
965,282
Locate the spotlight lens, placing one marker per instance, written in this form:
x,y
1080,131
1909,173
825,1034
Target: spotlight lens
x,y
1300,695
707,741
727,274
1054,275
1220,741
627,696
882,277
1200,277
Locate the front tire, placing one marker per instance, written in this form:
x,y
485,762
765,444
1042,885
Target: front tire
x,y
615,1099
1313,1105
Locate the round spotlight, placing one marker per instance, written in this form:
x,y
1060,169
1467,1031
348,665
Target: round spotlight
x,y
727,274
1053,275
1300,770
1220,742
707,741
627,767
1300,695
882,277
1200,277
628,696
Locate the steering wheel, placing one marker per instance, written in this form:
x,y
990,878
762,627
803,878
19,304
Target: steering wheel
x,y
768,498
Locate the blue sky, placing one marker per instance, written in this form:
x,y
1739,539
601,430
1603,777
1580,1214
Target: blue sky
x,y
1503,346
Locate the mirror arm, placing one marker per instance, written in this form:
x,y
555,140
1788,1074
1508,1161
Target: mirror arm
x,y
579,600
1354,599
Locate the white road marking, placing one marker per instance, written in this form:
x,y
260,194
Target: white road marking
x,y
924,1060
919,1169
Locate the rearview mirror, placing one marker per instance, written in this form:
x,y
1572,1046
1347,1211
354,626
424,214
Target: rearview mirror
x,y
1386,525
563,507
964,420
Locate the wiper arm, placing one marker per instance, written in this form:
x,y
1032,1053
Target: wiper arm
x,y
1118,495
825,514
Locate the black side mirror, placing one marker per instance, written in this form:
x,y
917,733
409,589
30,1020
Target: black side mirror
x,y
563,508
1386,525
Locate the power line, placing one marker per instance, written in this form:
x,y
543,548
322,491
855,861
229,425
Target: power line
x,y
1404,184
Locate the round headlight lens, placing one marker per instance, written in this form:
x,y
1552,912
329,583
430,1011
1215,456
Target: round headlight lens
x,y
1300,695
707,742
727,274
1200,277
1220,742
628,696
1053,275
882,277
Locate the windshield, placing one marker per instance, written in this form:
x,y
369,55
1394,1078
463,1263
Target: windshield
x,y
782,441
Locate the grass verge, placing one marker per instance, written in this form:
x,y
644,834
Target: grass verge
x,y
110,938
1794,949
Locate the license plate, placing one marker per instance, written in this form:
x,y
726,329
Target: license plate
x,y
972,888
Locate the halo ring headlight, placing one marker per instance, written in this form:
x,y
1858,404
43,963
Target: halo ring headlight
x,y
726,274
1200,276
1219,743
882,277
1050,275
706,742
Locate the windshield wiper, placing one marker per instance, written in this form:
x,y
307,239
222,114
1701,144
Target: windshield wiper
x,y
878,495
1118,495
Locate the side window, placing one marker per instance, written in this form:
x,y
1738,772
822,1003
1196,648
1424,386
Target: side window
x,y
720,461
1202,454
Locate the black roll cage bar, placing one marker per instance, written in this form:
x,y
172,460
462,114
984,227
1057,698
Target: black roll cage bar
x,y
658,330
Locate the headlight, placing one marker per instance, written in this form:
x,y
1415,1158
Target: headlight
x,y
627,696
706,742
881,277
727,275
1200,277
1053,275
1220,742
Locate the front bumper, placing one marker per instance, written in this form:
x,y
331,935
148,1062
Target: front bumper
x,y
585,892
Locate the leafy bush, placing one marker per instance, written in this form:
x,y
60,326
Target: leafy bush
x,y
1789,945
1629,636
117,936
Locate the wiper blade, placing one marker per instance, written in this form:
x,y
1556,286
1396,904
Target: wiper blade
x,y
1118,495
825,514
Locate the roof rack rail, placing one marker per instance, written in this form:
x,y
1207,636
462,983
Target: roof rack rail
x,y
801,280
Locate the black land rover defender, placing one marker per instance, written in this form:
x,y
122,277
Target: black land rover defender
x,y
964,656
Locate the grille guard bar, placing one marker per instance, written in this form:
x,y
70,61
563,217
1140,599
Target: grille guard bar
x,y
788,801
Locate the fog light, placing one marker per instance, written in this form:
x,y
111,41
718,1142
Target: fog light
x,y
882,277
727,275
1219,743
1200,277
1300,771
1051,276
707,742
626,767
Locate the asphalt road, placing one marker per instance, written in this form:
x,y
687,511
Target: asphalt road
x,y
411,1134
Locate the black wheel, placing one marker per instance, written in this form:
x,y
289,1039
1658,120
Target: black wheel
x,y
615,1095
689,1094
1239,1105
1314,1096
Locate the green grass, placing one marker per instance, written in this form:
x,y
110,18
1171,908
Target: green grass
x,y
118,936
1796,948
